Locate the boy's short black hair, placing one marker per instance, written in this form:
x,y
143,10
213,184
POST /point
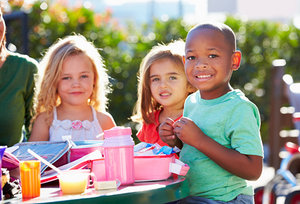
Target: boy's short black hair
x,y
220,27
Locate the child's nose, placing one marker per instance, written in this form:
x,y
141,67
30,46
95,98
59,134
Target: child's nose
x,y
201,64
163,83
75,83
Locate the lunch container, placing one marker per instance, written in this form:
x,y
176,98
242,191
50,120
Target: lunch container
x,y
118,155
151,168
146,168
83,148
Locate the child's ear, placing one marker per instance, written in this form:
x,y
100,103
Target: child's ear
x,y
183,59
236,60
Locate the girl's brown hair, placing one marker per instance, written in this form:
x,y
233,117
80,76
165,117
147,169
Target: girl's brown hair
x,y
146,105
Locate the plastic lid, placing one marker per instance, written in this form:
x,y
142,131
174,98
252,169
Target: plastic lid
x,y
118,141
117,131
118,136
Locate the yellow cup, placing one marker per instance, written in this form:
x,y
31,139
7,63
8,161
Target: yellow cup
x,y
74,181
30,178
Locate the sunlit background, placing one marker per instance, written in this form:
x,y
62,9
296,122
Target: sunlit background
x,y
193,11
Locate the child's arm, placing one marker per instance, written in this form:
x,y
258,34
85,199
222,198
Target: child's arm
x,y
245,166
166,133
40,129
106,121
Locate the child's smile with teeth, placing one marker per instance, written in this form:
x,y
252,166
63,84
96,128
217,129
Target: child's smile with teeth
x,y
209,62
165,94
203,76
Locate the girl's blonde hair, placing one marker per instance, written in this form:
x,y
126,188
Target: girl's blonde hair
x,y
51,68
146,105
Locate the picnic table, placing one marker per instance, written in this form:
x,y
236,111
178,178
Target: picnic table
x,y
140,192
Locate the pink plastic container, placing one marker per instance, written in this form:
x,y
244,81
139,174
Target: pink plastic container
x,y
98,168
118,155
83,148
146,168
152,168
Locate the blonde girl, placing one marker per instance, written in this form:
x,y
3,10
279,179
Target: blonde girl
x,y
162,90
73,93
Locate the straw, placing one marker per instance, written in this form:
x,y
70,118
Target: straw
x,y
69,139
43,160
101,135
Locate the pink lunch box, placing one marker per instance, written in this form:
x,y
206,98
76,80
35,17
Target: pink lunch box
x,y
81,149
146,168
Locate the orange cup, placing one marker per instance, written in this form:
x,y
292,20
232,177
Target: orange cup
x,y
30,178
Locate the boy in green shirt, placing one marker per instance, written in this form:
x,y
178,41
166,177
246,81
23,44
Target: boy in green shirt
x,y
220,128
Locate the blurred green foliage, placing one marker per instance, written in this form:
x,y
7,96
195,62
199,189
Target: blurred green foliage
x,y
123,48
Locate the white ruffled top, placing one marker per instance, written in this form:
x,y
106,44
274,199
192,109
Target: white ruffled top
x,y
79,130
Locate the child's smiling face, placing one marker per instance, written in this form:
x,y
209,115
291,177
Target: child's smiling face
x,y
75,85
209,62
168,84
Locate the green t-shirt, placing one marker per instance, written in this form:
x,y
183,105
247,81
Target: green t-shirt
x,y
17,82
234,122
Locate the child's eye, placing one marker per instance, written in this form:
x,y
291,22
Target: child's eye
x,y
212,56
84,76
173,78
190,58
66,78
154,79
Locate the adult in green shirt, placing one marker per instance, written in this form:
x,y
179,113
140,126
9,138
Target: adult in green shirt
x,y
17,83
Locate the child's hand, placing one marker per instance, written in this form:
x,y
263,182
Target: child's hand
x,y
166,133
229,159
187,131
